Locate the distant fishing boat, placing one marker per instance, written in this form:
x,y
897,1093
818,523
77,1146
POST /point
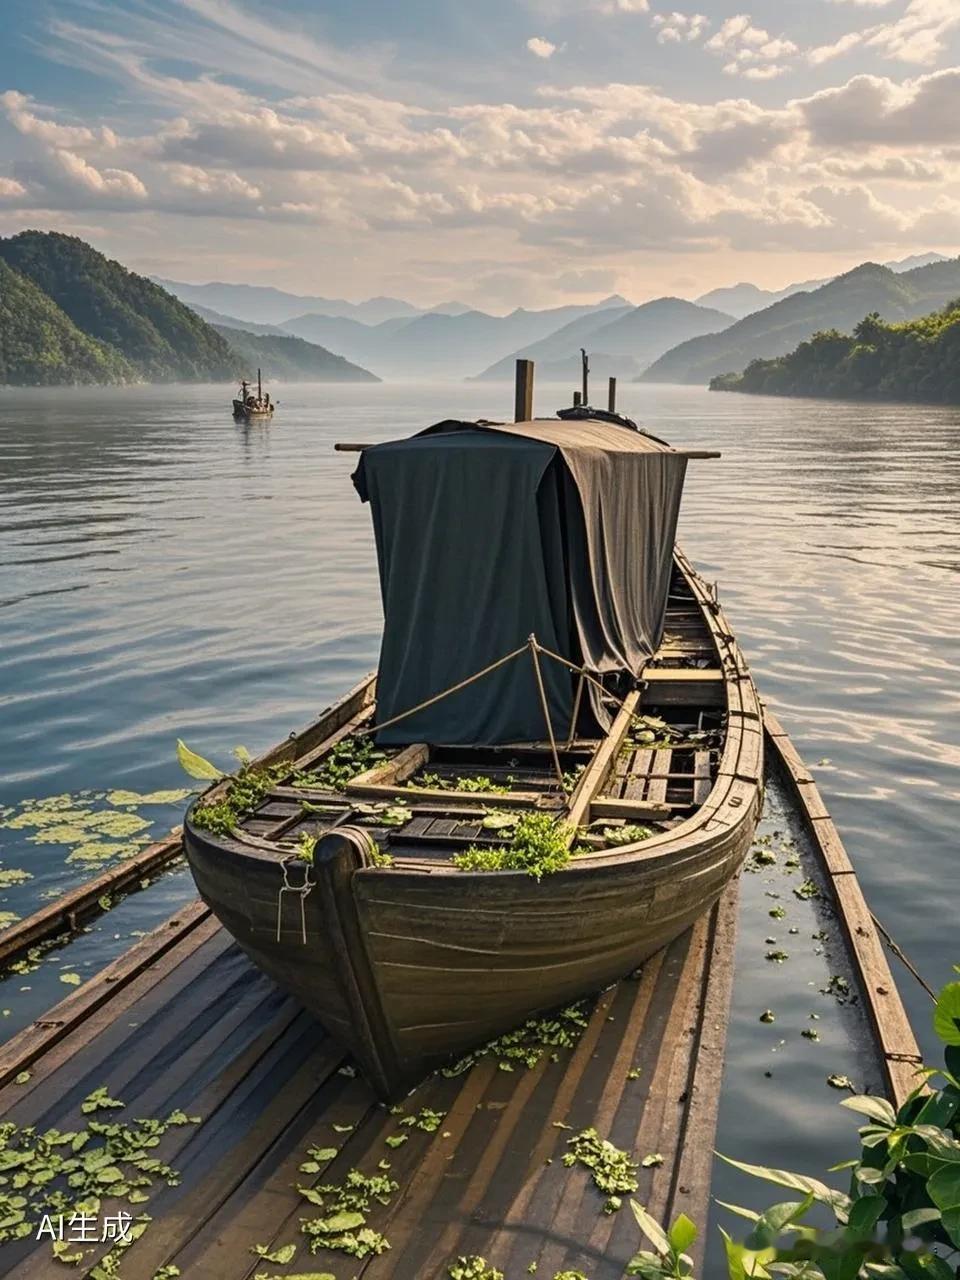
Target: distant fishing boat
x,y
249,406
548,655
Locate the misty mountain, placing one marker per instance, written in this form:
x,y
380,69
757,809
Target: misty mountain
x,y
841,304
743,299
291,359
437,344
265,305
218,319
622,345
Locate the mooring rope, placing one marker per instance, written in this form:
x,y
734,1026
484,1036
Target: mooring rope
x,y
901,955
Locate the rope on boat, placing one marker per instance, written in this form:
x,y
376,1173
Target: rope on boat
x,y
302,890
902,956
535,649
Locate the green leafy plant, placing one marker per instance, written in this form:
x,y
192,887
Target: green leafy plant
x,y
900,1218
538,846
670,1257
478,784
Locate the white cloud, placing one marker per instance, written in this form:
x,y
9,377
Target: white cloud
x,y
916,113
623,6
10,189
770,71
676,28
751,51
111,183
540,47
827,52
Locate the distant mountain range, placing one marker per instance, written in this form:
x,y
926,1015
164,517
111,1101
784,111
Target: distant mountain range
x,y
265,305
743,299
666,339
435,344
69,315
840,304
621,341
291,359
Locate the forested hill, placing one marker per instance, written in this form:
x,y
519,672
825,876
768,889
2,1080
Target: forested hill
x,y
915,360
41,346
151,335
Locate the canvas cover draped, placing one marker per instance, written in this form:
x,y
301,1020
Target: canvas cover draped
x,y
488,533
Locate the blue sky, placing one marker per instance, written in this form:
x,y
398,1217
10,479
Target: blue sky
x,y
500,153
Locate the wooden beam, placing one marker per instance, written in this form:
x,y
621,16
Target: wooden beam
x,y
612,395
596,771
523,402
611,808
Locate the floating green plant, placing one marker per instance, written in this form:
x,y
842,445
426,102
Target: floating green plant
x,y
538,846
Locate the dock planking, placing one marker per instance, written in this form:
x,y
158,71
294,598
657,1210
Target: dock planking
x,y
200,1029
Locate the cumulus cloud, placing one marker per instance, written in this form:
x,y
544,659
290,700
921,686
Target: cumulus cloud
x,y
676,28
540,47
750,51
575,175
874,109
624,6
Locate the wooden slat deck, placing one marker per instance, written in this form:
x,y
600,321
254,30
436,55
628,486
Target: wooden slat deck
x,y
201,1029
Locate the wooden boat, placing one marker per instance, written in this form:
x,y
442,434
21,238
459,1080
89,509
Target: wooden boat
x,y
249,406
408,959
270,1085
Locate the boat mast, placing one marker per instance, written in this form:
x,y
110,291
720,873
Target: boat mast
x,y
259,387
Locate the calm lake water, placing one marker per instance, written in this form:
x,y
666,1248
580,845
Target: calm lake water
x,y
166,573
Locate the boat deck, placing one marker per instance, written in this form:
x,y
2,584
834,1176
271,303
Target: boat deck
x,y
185,1021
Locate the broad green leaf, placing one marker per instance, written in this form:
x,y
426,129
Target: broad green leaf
x,y
944,1187
771,1224
243,755
951,1224
650,1228
865,1215
649,1266
196,766
682,1234
919,1218
877,1109
946,1017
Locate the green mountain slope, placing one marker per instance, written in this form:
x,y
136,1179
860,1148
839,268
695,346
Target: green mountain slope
x,y
915,360
838,305
41,346
159,335
292,359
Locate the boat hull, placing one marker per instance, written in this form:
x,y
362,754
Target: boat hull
x,y
410,967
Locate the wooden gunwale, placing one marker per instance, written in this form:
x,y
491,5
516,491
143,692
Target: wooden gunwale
x,y
898,1046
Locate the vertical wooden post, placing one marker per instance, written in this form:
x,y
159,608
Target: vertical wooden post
x,y
577,400
523,405
586,375
612,396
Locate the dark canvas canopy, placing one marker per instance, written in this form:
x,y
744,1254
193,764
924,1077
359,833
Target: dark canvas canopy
x,y
488,533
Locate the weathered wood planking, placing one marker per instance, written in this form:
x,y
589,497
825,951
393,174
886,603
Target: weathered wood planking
x,y
201,1029
898,1046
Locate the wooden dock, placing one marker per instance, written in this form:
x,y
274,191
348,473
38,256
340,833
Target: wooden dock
x,y
183,1020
